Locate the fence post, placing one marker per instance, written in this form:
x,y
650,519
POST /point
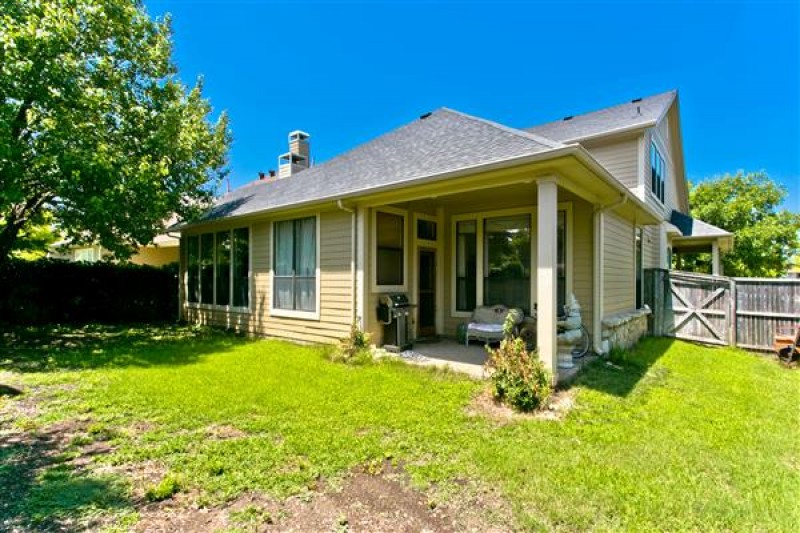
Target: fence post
x,y
732,340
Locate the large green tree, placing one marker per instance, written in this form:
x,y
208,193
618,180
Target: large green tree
x,y
749,206
95,126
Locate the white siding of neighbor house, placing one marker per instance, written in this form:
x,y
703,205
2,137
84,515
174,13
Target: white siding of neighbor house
x,y
336,311
619,289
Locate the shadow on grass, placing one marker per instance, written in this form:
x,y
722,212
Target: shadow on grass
x,y
624,369
48,348
40,490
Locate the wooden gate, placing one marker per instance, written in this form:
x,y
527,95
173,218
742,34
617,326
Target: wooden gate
x,y
702,308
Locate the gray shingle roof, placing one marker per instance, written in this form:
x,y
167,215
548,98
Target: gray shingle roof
x,y
694,227
444,141
643,113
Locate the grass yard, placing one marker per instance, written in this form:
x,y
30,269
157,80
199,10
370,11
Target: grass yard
x,y
99,424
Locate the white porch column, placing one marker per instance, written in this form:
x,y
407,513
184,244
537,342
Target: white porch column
x,y
716,263
361,249
546,281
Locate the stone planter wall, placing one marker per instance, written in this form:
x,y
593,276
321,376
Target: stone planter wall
x,y
625,329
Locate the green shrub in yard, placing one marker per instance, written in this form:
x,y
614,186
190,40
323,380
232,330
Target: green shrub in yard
x,y
518,376
166,488
354,348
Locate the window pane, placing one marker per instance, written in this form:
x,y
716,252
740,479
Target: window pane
x,y
389,230
207,268
306,248
283,293
241,267
284,248
508,261
426,230
223,267
193,269
305,294
390,236
561,260
389,266
466,265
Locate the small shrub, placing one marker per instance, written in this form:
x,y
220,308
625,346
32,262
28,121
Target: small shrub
x,y
354,348
518,376
251,515
166,488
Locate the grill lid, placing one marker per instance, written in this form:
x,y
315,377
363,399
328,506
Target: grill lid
x,y
397,299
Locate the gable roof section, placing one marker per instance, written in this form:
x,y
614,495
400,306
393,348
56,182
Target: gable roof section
x,y
632,115
444,141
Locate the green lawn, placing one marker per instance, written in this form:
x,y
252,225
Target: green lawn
x,y
675,437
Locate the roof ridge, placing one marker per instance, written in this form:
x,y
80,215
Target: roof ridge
x,y
508,129
672,92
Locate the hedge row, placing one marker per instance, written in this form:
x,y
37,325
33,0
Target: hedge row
x,y
54,291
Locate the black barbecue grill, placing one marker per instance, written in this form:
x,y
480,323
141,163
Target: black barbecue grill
x,y
394,311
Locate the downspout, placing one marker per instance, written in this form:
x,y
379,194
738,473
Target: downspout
x,y
353,282
599,272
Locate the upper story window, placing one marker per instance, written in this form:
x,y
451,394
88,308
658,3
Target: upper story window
x,y
657,172
295,265
218,268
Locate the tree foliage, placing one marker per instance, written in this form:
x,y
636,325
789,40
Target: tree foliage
x,y
95,126
748,205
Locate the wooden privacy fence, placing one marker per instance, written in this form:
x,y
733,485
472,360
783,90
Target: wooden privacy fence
x,y
744,312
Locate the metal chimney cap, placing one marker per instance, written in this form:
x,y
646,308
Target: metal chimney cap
x,y
298,134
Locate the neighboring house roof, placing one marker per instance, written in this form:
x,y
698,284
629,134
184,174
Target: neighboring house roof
x,y
437,143
693,230
639,113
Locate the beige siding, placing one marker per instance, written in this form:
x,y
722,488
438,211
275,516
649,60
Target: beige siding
x,y
621,158
619,290
583,259
154,256
651,247
336,288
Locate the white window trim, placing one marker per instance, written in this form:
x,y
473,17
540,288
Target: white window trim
x,y
374,250
479,218
215,307
292,313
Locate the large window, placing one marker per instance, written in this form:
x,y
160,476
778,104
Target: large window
x,y
507,261
218,265
207,268
466,264
295,265
222,268
193,269
390,249
240,267
504,253
561,261
657,172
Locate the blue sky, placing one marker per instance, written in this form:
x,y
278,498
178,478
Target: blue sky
x,y
348,71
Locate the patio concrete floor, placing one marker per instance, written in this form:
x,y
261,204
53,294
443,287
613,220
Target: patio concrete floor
x,y
447,353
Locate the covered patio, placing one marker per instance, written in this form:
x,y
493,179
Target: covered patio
x,y
526,237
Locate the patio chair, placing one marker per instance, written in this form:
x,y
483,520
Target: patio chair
x,y
787,343
486,323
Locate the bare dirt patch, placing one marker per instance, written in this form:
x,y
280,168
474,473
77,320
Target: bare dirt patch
x,y
484,404
360,502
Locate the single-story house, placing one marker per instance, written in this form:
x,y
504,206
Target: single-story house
x,y
457,212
